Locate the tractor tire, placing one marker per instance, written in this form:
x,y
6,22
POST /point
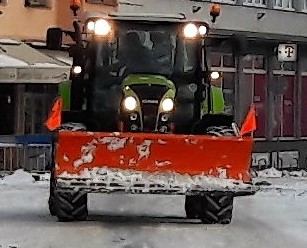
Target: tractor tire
x,y
220,131
51,200
193,206
68,206
217,207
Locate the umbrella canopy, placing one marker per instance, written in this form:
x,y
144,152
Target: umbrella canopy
x,y
19,63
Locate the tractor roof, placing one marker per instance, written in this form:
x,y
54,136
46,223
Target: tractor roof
x,y
154,17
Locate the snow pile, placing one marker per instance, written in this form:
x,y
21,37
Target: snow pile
x,y
274,173
130,180
19,178
269,173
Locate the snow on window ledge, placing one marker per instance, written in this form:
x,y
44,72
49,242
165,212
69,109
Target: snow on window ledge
x,y
233,2
258,5
283,8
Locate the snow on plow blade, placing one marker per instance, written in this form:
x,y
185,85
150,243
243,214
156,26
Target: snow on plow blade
x,y
173,160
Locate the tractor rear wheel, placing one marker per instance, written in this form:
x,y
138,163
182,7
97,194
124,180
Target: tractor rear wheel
x,y
68,205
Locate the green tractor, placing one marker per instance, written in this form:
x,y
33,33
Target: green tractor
x,y
143,75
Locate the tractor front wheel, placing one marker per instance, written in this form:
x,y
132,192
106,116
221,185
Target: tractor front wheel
x,y
217,207
212,207
68,205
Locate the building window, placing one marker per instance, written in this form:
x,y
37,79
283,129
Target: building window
x,y
37,3
106,2
225,63
7,109
257,3
253,90
225,1
283,4
38,100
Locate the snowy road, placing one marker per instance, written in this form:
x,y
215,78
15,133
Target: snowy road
x,y
264,220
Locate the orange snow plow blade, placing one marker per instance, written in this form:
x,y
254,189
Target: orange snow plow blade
x,y
183,154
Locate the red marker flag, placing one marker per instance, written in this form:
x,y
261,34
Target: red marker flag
x,y
55,117
249,124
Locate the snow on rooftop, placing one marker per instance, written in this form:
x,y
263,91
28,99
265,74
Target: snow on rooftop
x,y
9,42
8,61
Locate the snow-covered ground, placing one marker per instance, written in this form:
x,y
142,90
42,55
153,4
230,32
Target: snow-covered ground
x,y
274,217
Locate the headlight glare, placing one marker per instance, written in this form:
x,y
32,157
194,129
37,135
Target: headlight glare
x,y
102,27
190,30
130,103
77,69
167,105
90,26
203,30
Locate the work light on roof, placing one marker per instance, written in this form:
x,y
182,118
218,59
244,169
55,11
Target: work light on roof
x,y
190,30
202,30
90,26
102,27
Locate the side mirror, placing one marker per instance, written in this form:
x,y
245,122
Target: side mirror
x,y
54,39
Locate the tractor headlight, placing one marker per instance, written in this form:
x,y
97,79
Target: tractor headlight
x,y
215,75
76,70
167,105
102,27
190,30
130,103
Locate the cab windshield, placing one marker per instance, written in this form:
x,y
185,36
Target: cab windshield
x,y
147,48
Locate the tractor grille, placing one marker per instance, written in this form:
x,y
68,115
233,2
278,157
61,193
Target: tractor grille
x,y
146,92
149,109
150,112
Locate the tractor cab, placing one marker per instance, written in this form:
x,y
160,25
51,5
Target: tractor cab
x,y
140,73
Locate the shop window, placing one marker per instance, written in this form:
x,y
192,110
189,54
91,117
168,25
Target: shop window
x,y
222,60
216,60
283,106
36,3
225,64
7,109
254,62
38,101
229,92
304,107
253,90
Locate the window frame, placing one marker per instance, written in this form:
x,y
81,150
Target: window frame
x,y
254,4
290,8
233,2
46,5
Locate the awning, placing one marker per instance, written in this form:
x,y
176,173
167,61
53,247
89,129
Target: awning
x,y
19,63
